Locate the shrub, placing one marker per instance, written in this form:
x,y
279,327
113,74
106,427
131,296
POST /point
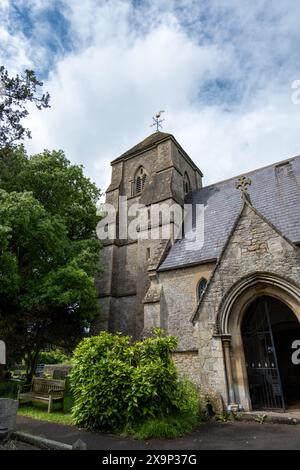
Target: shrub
x,y
54,356
9,388
116,382
168,427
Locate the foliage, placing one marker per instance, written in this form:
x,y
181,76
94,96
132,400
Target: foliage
x,y
9,388
260,418
167,427
116,382
59,186
15,93
174,425
49,255
187,397
54,356
224,416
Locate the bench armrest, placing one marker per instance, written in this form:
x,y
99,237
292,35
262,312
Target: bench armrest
x,y
23,388
57,390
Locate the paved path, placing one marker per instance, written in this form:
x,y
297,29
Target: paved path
x,y
232,435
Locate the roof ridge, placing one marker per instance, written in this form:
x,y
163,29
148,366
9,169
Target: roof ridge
x,y
251,172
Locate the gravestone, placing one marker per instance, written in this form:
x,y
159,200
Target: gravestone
x,y
2,353
79,445
8,413
2,358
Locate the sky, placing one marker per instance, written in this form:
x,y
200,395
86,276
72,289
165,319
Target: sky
x,y
222,70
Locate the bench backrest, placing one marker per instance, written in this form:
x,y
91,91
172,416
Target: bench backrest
x,y
44,385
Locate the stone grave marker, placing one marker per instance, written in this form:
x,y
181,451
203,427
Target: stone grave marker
x,y
8,413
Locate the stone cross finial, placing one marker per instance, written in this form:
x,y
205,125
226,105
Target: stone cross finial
x,y
243,184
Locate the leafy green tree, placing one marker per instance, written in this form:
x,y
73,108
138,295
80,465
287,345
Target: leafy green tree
x,y
49,254
58,185
15,93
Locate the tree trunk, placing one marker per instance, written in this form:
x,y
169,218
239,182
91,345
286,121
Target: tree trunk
x,y
31,363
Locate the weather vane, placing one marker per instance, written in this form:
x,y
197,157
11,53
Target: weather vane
x,y
157,121
243,184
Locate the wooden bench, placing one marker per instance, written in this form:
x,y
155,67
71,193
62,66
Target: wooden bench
x,y
43,391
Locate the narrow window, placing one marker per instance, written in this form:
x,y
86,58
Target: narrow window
x,y
148,254
201,287
186,184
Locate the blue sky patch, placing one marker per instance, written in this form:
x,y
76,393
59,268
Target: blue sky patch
x,y
47,28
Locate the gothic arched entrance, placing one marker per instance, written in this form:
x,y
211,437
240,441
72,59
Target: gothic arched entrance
x,y
269,328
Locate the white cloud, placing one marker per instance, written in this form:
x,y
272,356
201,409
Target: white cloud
x,y
12,44
129,62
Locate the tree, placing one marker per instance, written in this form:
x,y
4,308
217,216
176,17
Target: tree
x,y
15,93
61,187
49,254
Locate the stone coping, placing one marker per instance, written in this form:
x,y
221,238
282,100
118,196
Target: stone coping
x,y
289,417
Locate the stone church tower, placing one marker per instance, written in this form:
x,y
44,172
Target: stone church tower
x,y
157,170
233,301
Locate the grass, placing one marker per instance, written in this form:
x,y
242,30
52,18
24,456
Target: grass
x,y
8,389
35,412
168,427
39,411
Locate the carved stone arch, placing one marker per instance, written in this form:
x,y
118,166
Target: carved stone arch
x,y
231,313
252,286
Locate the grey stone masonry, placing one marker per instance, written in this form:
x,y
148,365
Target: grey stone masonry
x,y
254,246
8,413
124,282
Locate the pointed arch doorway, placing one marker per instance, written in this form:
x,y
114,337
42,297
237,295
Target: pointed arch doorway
x,y
269,328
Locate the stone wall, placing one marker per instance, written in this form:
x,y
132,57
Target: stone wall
x,y
123,315
188,366
124,282
255,246
179,299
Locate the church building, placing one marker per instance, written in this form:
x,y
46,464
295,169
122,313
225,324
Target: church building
x,y
233,302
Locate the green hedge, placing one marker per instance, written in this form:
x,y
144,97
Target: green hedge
x,y
9,388
116,382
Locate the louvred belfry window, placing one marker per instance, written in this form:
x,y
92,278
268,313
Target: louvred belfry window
x,y
140,180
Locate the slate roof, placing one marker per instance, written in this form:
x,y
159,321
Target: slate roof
x,y
149,142
274,192
144,144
